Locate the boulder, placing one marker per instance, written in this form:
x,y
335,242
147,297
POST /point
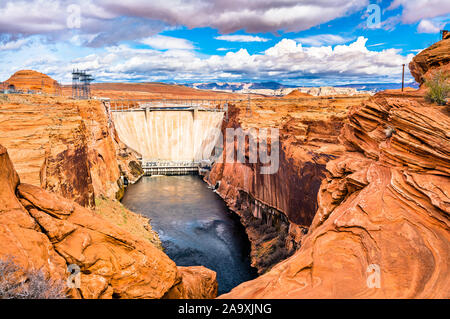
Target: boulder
x,y
43,230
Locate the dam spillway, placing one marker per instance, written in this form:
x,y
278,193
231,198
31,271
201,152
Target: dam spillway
x,y
169,138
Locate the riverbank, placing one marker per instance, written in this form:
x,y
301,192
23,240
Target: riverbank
x,y
194,225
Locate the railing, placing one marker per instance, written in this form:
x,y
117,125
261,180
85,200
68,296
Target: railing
x,y
170,167
124,105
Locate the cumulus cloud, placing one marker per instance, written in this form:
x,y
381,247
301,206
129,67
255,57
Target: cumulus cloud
x,y
416,10
427,26
228,16
162,42
321,39
287,61
13,45
241,38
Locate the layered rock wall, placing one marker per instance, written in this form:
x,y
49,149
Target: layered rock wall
x,y
382,226
29,80
286,199
43,230
66,146
432,59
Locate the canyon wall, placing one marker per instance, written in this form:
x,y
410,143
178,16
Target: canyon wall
x,y
436,57
169,135
66,146
287,199
382,227
43,230
72,150
384,207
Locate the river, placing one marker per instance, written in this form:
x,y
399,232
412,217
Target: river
x,y
195,226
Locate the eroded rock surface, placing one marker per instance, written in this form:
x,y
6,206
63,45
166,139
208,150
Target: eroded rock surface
x,y
43,230
66,146
436,57
287,199
25,80
384,206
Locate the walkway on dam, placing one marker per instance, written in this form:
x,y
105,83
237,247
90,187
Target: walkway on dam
x,y
126,105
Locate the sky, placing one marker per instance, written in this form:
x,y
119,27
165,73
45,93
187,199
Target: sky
x,y
301,42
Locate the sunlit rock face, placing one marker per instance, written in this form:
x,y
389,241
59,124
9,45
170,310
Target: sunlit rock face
x,y
169,135
431,60
286,198
43,230
65,146
381,229
26,80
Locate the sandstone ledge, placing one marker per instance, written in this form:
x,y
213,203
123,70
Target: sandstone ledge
x,y
43,230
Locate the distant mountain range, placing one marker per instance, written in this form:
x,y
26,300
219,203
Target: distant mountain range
x,y
248,86
380,86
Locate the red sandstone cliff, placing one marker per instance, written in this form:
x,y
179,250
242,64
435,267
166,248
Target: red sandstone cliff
x,y
382,227
436,57
42,230
66,146
285,201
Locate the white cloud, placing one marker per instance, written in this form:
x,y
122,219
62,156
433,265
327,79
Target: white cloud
x,y
376,44
416,10
162,42
241,38
14,45
228,16
287,61
284,48
321,39
427,26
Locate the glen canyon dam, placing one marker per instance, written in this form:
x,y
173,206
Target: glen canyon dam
x,y
244,152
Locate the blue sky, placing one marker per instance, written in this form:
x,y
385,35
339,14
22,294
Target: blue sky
x,y
302,42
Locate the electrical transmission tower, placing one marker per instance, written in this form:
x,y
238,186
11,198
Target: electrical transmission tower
x,y
81,84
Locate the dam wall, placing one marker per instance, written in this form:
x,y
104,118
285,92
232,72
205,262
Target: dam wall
x,y
177,136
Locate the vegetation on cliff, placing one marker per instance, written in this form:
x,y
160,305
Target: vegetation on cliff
x,y
438,87
19,283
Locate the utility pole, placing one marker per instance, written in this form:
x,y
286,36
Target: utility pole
x,y
403,77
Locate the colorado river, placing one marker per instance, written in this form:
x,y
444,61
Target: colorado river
x,y
195,226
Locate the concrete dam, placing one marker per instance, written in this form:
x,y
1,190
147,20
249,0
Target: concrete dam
x,y
193,223
170,138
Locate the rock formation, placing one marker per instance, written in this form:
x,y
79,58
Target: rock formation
x,y
43,230
29,80
381,229
66,146
436,57
295,94
286,200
